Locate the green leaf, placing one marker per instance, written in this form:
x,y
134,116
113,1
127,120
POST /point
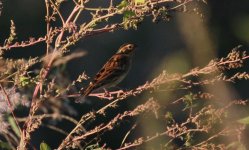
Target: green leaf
x,y
24,81
128,14
44,146
139,1
188,100
126,19
123,4
244,120
13,125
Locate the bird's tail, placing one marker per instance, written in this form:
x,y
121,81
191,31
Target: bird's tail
x,y
88,90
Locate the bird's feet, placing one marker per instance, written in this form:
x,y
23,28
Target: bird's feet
x,y
107,94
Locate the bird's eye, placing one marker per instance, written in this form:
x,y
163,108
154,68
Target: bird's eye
x,y
129,47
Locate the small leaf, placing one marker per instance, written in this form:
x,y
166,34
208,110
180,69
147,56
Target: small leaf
x,y
128,14
244,120
24,80
123,4
188,100
14,125
44,146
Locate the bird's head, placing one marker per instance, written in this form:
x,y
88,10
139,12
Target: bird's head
x,y
126,49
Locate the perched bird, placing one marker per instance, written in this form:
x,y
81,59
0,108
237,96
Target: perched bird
x,y
114,70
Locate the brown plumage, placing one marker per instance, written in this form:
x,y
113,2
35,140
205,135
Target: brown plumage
x,y
114,71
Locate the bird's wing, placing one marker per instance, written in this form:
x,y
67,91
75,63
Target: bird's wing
x,y
109,73
114,67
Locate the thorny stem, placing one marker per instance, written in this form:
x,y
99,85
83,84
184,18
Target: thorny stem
x,y
44,73
48,26
59,14
51,116
80,123
136,144
39,40
58,40
180,5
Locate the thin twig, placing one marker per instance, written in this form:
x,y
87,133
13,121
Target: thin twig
x,y
10,107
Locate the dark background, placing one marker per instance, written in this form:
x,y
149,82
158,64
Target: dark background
x,y
186,41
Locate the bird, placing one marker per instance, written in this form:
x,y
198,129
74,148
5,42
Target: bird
x,y
113,71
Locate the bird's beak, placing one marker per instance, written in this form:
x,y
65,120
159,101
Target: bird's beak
x,y
135,45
